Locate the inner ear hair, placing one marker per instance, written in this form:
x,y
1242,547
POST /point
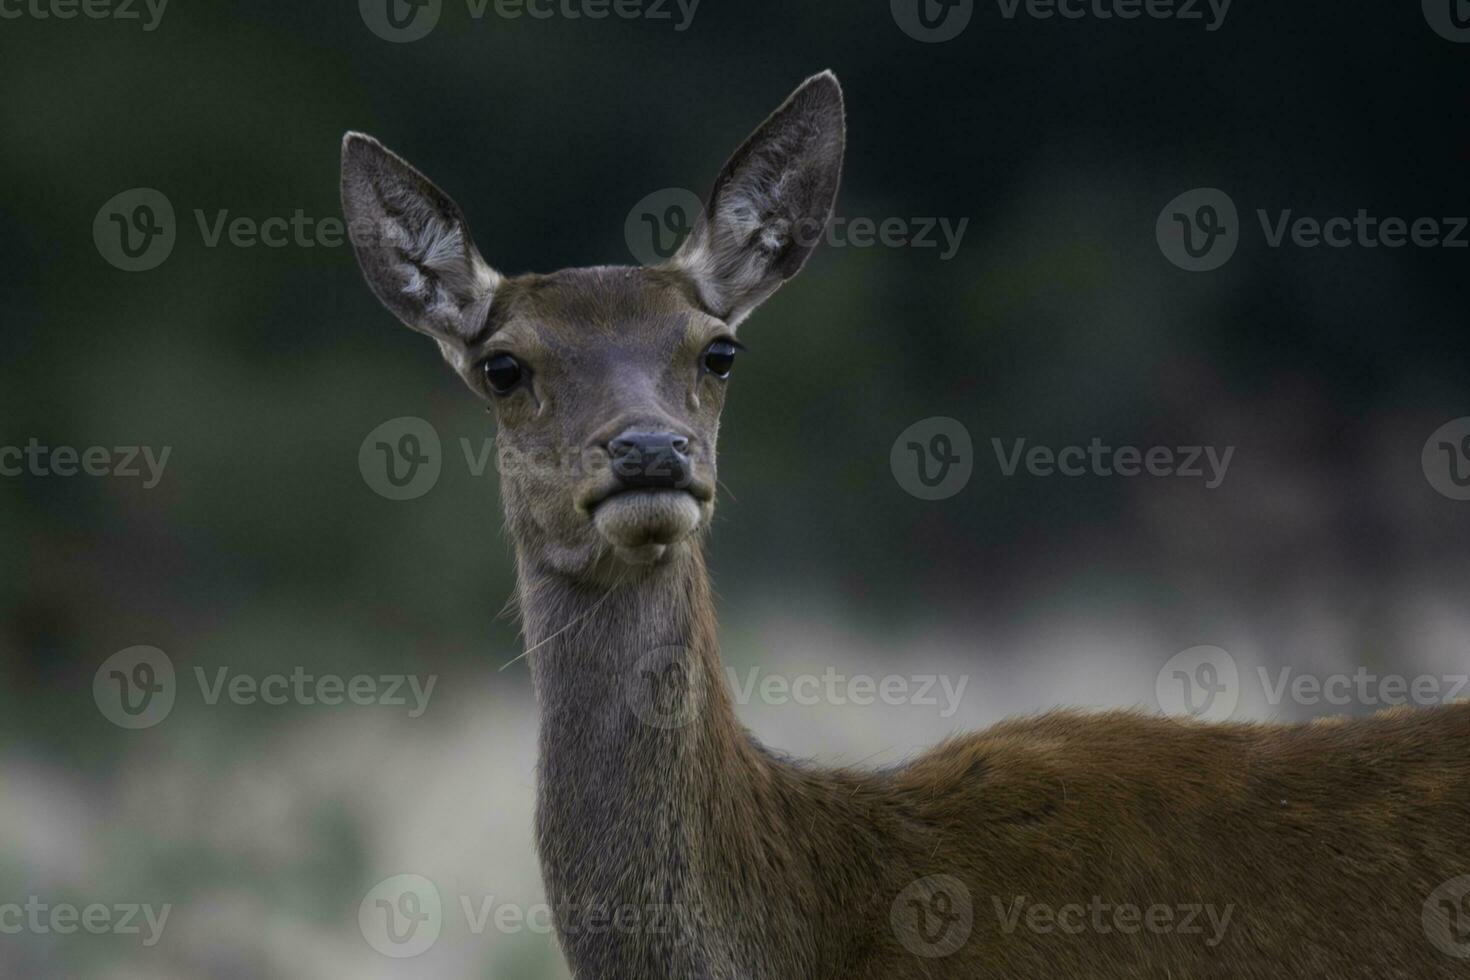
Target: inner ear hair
x,y
413,244
771,203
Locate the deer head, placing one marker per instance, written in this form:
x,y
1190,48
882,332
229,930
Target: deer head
x,y
606,383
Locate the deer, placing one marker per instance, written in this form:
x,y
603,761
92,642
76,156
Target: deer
x,y
672,844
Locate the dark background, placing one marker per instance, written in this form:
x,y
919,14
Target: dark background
x,y
1059,320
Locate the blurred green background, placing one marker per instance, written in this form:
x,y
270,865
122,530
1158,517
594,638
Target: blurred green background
x,y
263,549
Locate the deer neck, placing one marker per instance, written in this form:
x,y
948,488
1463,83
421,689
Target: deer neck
x,y
655,804
637,733
627,674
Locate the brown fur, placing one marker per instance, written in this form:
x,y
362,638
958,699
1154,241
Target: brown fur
x,y
1325,840
675,846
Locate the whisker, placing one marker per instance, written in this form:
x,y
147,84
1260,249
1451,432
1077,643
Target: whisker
x,y
595,606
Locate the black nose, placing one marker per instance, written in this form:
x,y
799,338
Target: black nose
x,y
650,459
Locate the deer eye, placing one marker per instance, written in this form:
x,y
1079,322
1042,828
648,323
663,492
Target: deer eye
x,y
719,357
502,373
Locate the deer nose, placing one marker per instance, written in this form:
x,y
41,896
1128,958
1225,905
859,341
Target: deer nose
x,y
653,460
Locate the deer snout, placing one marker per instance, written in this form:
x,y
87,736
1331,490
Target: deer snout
x,y
651,460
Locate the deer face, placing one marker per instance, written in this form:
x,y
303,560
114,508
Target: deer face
x,y
606,383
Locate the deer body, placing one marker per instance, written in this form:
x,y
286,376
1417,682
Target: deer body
x,y
1277,851
673,846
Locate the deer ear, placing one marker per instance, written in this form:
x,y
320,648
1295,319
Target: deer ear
x,y
413,245
771,203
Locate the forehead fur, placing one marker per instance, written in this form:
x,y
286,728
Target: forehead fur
x,y
601,299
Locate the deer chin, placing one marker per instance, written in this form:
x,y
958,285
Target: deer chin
x,y
642,525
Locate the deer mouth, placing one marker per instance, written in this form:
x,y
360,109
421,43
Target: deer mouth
x,y
642,523
596,498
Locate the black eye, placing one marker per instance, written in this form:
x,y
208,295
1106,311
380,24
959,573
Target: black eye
x,y
719,357
502,373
